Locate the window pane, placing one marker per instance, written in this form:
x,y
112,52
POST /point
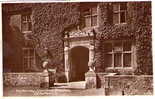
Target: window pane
x,y
94,10
123,6
87,12
24,27
117,59
108,60
116,7
24,18
127,46
127,60
31,61
25,52
94,20
108,47
87,21
122,17
118,47
29,26
28,18
26,23
25,62
116,18
31,52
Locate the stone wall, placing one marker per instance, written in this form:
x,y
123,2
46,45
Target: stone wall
x,y
48,23
126,84
48,30
138,29
22,79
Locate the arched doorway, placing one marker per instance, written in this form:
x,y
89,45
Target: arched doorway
x,y
78,51
79,63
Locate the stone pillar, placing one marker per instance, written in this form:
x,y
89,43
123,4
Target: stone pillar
x,y
51,73
66,50
45,79
91,58
90,76
91,53
91,79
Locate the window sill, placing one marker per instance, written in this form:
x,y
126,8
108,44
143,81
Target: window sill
x,y
26,32
119,68
88,28
121,71
120,24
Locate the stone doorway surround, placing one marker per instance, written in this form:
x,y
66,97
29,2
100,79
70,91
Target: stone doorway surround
x,y
75,38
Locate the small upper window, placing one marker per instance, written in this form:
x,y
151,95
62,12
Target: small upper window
x,y
119,13
26,23
90,16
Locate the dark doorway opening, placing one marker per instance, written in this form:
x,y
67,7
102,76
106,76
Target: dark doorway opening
x,y
79,63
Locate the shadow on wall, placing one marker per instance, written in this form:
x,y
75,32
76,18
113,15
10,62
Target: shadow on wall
x,y
12,49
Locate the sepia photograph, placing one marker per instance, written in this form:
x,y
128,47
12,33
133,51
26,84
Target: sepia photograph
x,y
77,48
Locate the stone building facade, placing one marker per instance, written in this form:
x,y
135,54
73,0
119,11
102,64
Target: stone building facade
x,y
108,38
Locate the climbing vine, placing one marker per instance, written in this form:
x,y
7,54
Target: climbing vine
x,y
138,28
51,19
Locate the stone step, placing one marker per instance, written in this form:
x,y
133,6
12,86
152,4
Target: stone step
x,y
70,85
78,85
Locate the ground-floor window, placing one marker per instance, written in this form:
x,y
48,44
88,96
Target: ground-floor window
x,y
28,58
119,54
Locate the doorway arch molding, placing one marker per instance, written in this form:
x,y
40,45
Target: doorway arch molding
x,y
71,42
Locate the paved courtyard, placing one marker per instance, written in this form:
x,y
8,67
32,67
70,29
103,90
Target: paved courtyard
x,y
58,90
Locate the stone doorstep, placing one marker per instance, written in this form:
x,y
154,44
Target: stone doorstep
x,y
70,85
81,84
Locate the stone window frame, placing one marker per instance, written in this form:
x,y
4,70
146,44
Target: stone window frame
x,y
26,21
132,52
29,58
91,15
28,52
119,11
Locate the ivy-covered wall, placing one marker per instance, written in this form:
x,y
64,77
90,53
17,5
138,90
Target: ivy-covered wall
x,y
138,29
51,19
49,22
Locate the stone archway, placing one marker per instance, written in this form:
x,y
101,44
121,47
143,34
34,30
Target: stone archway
x,y
68,53
79,58
73,40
